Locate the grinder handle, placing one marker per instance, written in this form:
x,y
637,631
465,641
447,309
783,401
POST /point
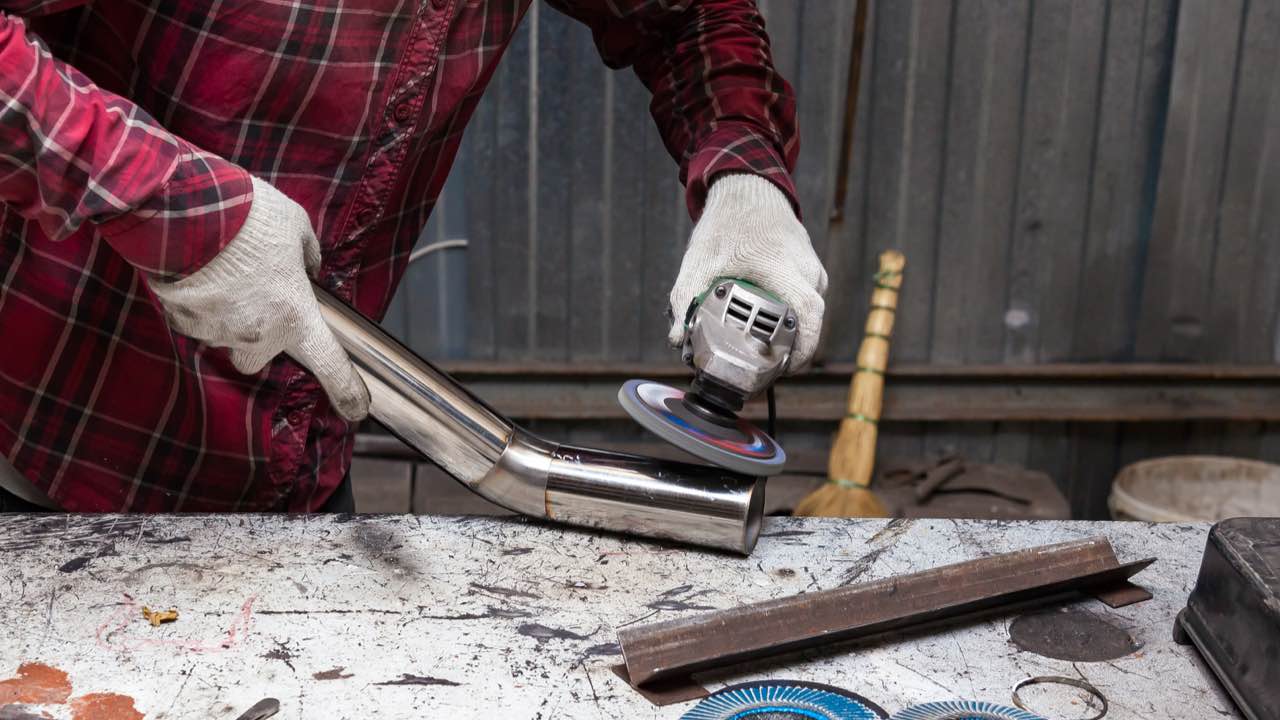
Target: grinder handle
x,y
867,389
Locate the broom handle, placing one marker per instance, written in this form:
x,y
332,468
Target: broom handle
x,y
867,389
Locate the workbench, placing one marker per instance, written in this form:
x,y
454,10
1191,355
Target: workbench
x,y
344,616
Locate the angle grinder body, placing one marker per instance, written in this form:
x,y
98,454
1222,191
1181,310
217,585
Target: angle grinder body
x,y
737,339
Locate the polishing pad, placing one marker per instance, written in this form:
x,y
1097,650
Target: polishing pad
x,y
736,445
964,710
785,700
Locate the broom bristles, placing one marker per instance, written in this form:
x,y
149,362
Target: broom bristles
x,y
832,500
855,444
853,453
841,496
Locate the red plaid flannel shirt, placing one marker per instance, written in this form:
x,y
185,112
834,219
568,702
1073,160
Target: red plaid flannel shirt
x,y
129,129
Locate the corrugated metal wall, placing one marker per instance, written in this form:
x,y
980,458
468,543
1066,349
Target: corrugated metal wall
x,y
1070,180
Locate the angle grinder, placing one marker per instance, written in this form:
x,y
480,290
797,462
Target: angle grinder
x,y
738,339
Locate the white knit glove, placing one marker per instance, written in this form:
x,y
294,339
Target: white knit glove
x,y
255,299
748,231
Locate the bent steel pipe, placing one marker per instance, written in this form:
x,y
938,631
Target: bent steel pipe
x,y
500,461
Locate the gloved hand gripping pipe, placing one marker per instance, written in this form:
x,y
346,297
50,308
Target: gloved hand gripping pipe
x,y
483,450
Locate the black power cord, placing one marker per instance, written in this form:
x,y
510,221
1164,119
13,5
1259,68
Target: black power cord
x,y
773,414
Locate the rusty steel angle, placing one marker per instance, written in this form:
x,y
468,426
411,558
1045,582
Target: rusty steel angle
x,y
676,648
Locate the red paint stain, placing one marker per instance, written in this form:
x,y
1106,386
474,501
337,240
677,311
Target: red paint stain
x,y
40,684
104,706
35,684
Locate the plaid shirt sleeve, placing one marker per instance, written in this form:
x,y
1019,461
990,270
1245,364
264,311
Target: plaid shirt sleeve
x,y
32,8
718,101
73,154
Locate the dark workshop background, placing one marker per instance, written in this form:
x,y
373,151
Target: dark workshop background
x,y
1073,182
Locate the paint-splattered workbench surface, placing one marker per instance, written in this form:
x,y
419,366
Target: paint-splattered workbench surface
x,y
458,617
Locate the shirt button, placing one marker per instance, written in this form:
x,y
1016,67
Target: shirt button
x,y
403,112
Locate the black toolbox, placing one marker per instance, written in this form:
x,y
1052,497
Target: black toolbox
x,y
1233,614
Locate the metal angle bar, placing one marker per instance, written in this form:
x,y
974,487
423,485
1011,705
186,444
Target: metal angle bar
x,y
471,369
929,393
852,81
678,647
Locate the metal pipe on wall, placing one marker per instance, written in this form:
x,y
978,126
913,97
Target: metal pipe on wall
x,y
474,443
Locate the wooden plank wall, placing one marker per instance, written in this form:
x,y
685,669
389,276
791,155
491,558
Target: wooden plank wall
x,y
1071,180
1212,268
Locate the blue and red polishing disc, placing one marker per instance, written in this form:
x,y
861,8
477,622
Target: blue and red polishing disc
x,y
731,443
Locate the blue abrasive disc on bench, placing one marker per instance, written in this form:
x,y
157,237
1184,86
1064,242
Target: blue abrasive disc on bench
x,y
964,710
784,700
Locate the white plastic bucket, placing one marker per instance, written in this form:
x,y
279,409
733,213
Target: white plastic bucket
x,y
1195,488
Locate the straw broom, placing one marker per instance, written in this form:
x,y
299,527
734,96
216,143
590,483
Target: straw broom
x,y
847,492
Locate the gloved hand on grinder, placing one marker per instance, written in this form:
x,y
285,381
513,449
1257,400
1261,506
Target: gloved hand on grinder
x,y
254,298
748,231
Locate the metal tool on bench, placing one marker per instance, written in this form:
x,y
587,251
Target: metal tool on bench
x,y
485,451
1233,614
261,710
738,339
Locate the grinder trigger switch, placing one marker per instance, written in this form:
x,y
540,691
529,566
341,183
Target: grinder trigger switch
x,y
737,339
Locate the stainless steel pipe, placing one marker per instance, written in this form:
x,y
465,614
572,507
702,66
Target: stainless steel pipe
x,y
474,443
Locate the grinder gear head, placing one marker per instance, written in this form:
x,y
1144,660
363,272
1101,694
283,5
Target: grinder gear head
x,y
738,339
